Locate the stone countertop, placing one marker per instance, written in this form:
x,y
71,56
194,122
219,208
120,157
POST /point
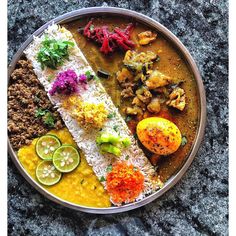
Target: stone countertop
x,y
198,204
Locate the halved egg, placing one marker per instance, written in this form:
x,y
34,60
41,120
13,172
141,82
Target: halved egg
x,y
159,135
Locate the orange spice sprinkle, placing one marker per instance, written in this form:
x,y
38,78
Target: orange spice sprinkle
x,y
124,183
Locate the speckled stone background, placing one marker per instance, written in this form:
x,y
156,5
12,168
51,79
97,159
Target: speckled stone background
x,y
198,204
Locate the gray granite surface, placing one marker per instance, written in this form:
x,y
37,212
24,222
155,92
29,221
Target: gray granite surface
x,y
198,204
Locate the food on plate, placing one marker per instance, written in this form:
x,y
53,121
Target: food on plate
x,y
46,145
47,174
129,127
146,37
109,41
177,99
125,182
139,63
65,83
159,135
94,95
30,112
112,143
89,115
66,158
53,53
77,186
156,80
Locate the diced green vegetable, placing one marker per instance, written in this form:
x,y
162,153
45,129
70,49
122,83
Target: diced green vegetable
x,y
112,143
108,138
107,147
126,142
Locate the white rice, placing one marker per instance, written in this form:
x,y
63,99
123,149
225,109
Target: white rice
x,y
94,94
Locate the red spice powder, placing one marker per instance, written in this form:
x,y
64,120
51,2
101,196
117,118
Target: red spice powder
x,y
124,183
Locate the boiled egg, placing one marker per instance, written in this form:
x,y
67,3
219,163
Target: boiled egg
x,y
159,135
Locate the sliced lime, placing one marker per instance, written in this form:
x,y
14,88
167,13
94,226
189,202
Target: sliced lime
x,y
46,145
47,174
66,158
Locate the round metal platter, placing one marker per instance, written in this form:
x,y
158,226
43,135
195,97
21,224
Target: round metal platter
x,y
111,11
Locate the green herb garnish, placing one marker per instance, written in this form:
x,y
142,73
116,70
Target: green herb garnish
x,y
109,168
40,112
111,115
46,115
102,179
135,168
49,119
184,141
127,157
115,127
88,74
53,53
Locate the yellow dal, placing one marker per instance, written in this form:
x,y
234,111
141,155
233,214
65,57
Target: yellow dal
x,y
80,186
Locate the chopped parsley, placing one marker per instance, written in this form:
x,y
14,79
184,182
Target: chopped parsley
x,y
111,115
115,127
47,117
184,141
127,157
109,168
135,168
102,179
40,112
53,53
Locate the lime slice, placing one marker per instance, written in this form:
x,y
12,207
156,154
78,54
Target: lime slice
x,y
47,174
46,145
66,158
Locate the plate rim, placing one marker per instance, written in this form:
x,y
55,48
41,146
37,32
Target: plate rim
x,y
70,16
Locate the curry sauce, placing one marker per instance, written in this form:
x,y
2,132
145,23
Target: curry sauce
x,y
170,64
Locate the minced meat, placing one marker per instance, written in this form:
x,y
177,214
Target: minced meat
x,y
26,96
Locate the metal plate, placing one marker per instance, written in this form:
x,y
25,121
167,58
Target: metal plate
x,y
111,11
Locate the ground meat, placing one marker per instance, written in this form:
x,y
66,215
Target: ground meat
x,y
25,96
